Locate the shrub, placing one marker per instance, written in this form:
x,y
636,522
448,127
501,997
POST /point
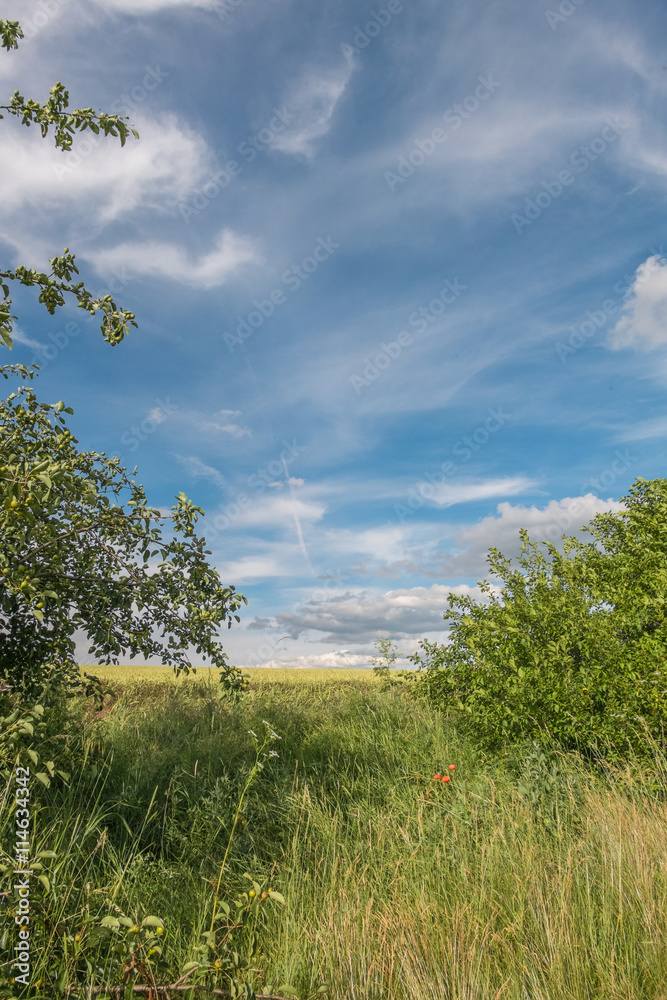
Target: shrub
x,y
575,644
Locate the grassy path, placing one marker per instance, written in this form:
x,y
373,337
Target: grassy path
x,y
524,877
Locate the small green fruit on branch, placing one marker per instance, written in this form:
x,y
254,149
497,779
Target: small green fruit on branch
x,y
54,116
54,287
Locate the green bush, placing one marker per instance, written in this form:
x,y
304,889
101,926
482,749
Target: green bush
x,y
574,647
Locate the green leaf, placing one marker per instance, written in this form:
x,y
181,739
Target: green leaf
x,y
189,966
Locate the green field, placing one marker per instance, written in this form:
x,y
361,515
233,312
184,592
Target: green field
x,y
525,876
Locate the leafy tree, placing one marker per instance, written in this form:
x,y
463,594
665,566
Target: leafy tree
x,y
82,550
55,116
575,644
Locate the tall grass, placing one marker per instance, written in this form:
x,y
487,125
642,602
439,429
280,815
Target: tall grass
x,y
527,877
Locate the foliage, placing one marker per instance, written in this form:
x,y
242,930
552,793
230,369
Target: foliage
x,y
14,729
55,114
575,644
82,549
107,948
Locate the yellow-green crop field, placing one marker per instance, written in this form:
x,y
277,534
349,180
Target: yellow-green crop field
x,y
130,674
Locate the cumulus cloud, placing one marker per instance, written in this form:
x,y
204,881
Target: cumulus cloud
x,y
167,260
559,517
361,616
157,171
340,659
644,320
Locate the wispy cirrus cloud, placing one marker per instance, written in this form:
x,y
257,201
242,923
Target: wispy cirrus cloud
x,y
156,259
313,101
448,494
201,470
222,422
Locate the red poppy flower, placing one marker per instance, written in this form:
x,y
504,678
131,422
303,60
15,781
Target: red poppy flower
x,y
436,777
446,778
452,767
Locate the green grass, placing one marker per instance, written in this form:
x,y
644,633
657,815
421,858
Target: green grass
x,y
527,877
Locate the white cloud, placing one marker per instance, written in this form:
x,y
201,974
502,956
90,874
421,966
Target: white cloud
x,y
313,102
645,430
200,470
360,616
448,494
559,517
279,510
644,323
157,415
157,171
260,566
20,337
167,260
386,542
220,423
340,659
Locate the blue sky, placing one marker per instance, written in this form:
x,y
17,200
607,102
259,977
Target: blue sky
x,y
399,277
